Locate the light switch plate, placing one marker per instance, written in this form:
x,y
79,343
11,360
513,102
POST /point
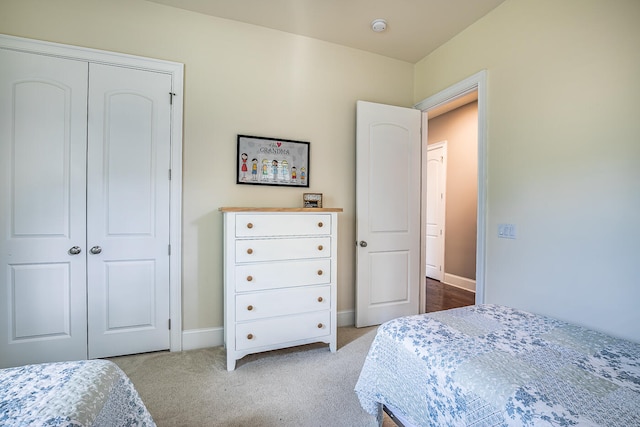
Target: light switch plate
x,y
507,231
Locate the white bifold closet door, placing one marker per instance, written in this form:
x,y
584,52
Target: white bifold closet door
x,y
128,210
84,217
43,133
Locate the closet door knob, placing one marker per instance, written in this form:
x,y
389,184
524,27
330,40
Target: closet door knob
x,y
75,250
95,250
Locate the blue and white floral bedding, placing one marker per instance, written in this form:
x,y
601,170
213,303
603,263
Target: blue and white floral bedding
x,y
489,365
78,394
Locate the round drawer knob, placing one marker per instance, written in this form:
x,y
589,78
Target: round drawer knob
x,y
320,224
250,336
249,278
320,272
249,251
320,325
320,247
249,225
320,299
249,307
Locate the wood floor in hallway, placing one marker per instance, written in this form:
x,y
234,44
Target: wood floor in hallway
x,y
441,296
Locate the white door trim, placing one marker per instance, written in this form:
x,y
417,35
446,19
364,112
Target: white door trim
x,y
176,70
477,82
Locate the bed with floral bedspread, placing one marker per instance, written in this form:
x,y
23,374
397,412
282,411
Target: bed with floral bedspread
x,y
83,393
490,365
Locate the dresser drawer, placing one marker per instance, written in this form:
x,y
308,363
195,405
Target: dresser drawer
x,y
282,302
255,250
268,225
281,330
282,274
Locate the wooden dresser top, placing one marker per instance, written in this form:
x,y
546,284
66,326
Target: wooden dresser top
x,y
240,209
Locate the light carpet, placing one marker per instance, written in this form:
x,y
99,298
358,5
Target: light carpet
x,y
301,386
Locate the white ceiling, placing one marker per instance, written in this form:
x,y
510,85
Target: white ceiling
x,y
414,27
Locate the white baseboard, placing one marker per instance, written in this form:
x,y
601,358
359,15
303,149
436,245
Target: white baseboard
x,y
459,282
202,338
346,318
193,339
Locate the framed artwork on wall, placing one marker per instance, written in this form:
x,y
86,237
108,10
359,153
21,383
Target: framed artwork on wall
x,y
271,161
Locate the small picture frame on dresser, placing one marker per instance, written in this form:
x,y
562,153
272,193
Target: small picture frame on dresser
x,y
312,200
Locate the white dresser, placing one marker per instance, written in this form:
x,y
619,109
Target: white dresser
x,y
279,278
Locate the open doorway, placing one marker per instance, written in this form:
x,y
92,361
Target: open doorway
x,y
457,115
451,192
458,227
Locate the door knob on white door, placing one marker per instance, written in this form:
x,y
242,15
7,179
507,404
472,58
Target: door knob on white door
x,y
75,250
363,243
95,250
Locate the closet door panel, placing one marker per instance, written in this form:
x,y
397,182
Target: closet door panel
x,y
41,119
128,210
129,153
43,113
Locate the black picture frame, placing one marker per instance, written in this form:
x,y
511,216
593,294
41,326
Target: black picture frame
x,y
272,161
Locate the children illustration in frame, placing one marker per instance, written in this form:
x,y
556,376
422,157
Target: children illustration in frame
x,y
272,161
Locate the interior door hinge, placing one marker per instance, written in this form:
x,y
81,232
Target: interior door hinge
x,y
169,174
171,95
169,249
169,324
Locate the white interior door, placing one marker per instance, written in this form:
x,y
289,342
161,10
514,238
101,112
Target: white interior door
x,y
435,209
388,149
128,209
43,113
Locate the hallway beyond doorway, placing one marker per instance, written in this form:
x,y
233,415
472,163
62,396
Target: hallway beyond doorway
x,y
441,296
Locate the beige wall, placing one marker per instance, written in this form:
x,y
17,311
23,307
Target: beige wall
x,y
563,153
563,135
238,79
460,129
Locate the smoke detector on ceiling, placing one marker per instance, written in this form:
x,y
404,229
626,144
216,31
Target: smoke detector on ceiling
x,y
379,25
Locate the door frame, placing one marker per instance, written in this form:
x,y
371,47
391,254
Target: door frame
x,y
176,71
475,82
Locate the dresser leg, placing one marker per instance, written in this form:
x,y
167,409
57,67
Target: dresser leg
x,y
231,364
